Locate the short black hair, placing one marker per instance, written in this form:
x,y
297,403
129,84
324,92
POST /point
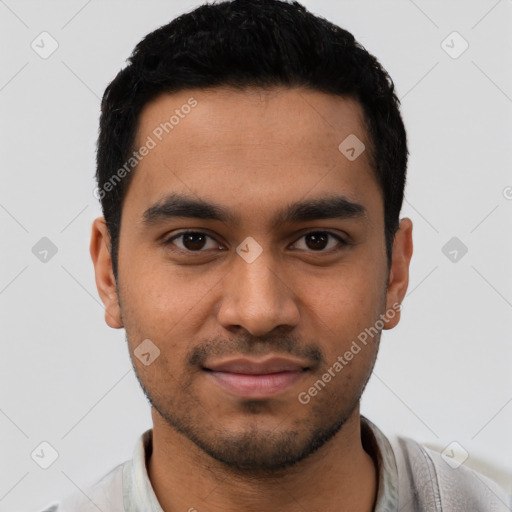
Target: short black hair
x,y
250,43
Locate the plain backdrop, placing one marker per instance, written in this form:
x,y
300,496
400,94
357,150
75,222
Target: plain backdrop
x,y
443,375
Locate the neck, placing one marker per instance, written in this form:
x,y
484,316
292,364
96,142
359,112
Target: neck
x,y
185,478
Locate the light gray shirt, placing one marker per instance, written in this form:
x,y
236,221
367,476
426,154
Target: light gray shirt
x,y
411,478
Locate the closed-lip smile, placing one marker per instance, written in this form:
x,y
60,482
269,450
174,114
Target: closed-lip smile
x,y
256,378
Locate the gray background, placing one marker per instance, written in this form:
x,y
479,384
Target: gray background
x,y
443,374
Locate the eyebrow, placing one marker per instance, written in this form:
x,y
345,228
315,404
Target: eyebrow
x,y
179,205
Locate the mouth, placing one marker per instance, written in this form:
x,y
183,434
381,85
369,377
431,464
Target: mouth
x,y
256,379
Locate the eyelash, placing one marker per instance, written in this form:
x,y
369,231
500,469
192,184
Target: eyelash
x,y
170,240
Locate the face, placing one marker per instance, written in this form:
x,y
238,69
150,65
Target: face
x,y
251,260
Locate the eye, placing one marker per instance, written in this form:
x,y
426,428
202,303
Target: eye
x,y
192,241
318,241
198,241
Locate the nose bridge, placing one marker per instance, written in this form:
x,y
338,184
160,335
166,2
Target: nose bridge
x,y
258,282
256,297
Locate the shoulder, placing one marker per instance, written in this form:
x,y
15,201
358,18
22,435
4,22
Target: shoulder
x,y
444,484
104,494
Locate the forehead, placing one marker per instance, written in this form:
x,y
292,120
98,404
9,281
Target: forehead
x,y
251,148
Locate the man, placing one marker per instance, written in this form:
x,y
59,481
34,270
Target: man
x,y
251,167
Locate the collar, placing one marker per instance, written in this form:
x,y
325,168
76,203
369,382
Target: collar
x,y
376,444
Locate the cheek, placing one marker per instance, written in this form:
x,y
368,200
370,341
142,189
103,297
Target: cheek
x,y
343,329
347,336
342,309
159,293
167,305
349,296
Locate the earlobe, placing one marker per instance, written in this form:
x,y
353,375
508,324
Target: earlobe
x,y
105,280
399,272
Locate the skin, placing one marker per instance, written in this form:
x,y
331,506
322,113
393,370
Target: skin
x,y
253,152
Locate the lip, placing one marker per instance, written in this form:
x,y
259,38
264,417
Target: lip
x,y
251,366
253,378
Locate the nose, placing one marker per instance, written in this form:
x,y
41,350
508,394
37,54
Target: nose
x,y
256,297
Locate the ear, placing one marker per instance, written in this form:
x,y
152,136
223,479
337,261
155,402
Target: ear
x,y
399,271
105,280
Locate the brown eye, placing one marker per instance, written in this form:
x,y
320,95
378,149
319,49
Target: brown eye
x,y
317,241
320,240
192,241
